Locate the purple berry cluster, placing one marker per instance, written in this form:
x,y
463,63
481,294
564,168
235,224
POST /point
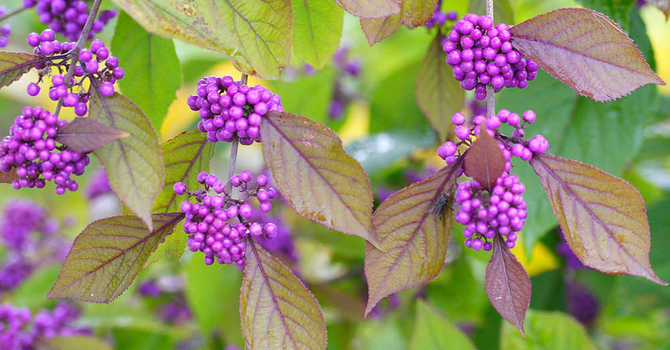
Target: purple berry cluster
x,y
219,225
20,331
232,110
343,91
501,209
68,17
32,150
283,243
439,18
13,273
95,64
5,30
98,185
19,219
481,54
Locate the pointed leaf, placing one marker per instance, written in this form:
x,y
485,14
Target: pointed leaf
x,y
277,310
152,63
484,161
370,8
134,163
316,176
602,216
317,30
107,256
87,135
15,64
433,332
547,331
502,10
585,50
438,94
72,342
507,285
378,29
8,177
257,34
413,233
417,12
186,155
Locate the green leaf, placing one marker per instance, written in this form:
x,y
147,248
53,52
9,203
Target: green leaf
x,y
413,233
86,135
438,94
277,310
256,34
457,291
131,339
152,68
433,332
592,54
379,151
417,12
320,85
186,155
502,10
72,342
134,163
603,217
576,128
546,331
15,64
317,30
663,5
106,257
212,294
393,106
370,8
378,29
315,176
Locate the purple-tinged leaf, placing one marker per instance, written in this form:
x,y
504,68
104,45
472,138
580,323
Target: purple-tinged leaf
x,y
15,64
8,177
585,50
508,285
484,161
370,8
134,163
378,29
316,176
186,155
417,12
603,217
256,34
277,310
413,227
87,135
106,257
438,94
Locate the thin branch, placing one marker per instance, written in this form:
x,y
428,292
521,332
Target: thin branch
x,y
13,13
74,54
491,99
233,149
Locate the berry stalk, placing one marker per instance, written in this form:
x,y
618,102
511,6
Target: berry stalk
x,y
491,101
234,146
74,54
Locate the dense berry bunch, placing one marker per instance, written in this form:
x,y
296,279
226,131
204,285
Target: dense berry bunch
x,y
232,110
501,209
98,185
283,243
13,273
68,17
5,30
439,18
20,217
219,225
481,54
20,331
95,64
344,91
32,150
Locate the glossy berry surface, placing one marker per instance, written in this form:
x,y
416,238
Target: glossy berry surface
x,y
68,17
